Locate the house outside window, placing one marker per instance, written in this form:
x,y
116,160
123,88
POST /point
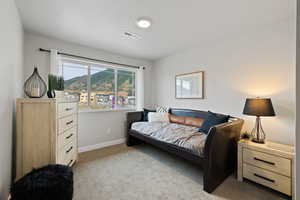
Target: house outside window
x,y
100,87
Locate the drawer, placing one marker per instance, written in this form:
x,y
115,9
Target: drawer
x,y
66,123
268,178
267,161
67,137
65,109
71,160
66,153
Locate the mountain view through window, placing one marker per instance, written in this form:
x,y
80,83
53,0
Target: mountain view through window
x,y
100,87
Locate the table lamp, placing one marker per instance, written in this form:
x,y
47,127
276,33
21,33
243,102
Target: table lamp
x,y
258,107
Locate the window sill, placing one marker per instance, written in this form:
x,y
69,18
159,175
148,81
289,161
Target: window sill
x,y
106,110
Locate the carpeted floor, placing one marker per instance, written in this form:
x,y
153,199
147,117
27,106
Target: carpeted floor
x,y
146,173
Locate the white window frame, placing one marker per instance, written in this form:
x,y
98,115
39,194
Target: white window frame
x,y
115,67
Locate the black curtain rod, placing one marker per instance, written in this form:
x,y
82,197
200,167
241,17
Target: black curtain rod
x,y
92,59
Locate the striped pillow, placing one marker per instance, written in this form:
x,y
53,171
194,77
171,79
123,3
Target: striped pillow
x,y
162,109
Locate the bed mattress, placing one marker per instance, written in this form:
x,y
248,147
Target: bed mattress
x,y
187,137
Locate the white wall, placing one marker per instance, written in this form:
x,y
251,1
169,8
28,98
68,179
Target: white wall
x,y
11,74
246,64
298,106
94,128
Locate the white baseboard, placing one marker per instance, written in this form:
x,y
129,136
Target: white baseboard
x,y
100,145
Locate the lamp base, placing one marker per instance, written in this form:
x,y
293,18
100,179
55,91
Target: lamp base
x,y
258,135
260,141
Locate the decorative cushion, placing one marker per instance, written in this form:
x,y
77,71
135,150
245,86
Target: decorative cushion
x,y
162,109
145,114
192,113
188,121
193,121
176,119
212,120
158,117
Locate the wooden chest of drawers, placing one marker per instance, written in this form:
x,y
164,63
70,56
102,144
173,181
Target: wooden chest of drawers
x,y
46,133
269,164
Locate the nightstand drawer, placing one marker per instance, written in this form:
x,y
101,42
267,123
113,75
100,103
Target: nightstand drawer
x,y
267,178
266,161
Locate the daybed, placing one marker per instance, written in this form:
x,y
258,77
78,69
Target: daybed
x,y
215,151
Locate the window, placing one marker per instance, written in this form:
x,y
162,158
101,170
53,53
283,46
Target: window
x,y
125,89
100,87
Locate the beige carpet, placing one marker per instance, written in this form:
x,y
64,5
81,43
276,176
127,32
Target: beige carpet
x,y
146,173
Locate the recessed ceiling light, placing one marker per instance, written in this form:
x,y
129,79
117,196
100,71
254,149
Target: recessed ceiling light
x,y
143,23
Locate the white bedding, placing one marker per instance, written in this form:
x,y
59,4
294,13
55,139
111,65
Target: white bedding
x,y
184,136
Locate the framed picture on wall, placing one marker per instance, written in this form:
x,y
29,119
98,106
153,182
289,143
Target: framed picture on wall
x,y
189,86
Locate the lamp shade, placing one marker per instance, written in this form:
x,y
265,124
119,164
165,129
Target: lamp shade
x,y
259,107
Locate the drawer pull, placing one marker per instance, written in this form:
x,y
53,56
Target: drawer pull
x,y
70,122
68,109
264,161
69,136
262,177
71,161
69,149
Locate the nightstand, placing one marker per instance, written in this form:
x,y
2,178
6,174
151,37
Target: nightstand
x,y
270,164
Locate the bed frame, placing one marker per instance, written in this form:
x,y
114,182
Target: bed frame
x,y
219,159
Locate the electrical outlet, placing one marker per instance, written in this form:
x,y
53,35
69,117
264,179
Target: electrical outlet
x,y
108,131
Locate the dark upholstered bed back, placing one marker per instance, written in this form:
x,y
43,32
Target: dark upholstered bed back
x,y
191,113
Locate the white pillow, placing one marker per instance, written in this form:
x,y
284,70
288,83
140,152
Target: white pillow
x,y
158,117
